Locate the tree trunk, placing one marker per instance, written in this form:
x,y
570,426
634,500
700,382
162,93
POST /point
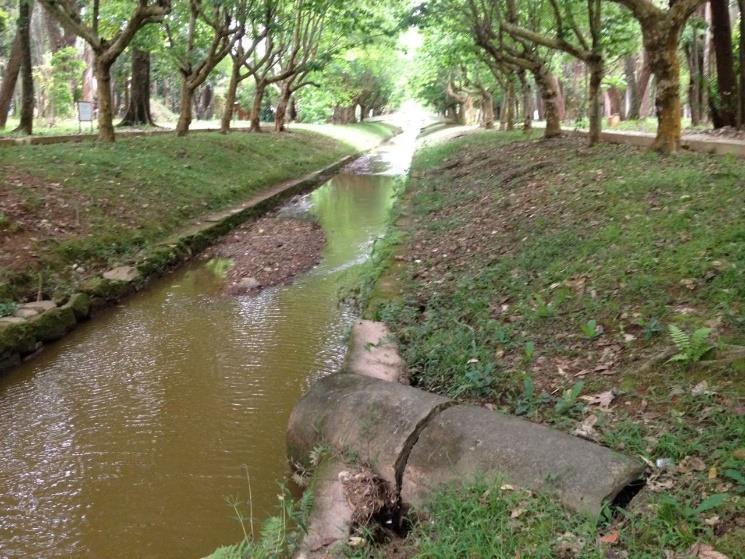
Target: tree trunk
x,y
460,118
632,87
661,41
549,88
645,76
741,61
695,82
230,96
527,92
256,108
284,102
185,112
27,71
509,106
726,81
595,68
9,80
487,110
138,107
469,111
89,85
105,109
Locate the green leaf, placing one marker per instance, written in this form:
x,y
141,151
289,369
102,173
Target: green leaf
x,y
735,476
712,502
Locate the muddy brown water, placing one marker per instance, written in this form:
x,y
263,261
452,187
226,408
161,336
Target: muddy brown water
x,y
124,439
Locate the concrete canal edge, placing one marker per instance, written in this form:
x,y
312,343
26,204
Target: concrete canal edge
x,y
418,442
38,323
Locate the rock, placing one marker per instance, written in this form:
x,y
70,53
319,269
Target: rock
x,y
466,442
7,320
102,289
54,324
378,421
80,304
248,284
16,337
330,521
39,306
25,313
122,273
373,353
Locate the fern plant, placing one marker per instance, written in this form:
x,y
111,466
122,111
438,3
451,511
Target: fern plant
x,y
691,347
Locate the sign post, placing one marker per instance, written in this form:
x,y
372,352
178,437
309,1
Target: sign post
x,y
85,114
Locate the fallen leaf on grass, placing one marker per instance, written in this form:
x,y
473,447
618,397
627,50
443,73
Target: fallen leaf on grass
x,y
603,399
701,389
586,429
691,463
519,511
704,551
611,538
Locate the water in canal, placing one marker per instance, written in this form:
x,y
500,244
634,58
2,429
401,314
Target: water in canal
x,y
123,439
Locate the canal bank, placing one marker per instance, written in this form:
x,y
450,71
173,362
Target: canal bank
x,y
130,432
60,307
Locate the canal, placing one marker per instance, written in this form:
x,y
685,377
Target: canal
x,y
125,438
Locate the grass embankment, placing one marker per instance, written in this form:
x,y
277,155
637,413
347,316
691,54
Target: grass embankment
x,y
69,210
542,278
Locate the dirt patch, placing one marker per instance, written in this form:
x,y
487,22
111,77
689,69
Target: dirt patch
x,y
269,251
32,212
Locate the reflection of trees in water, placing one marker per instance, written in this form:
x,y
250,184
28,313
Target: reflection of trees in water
x,y
352,209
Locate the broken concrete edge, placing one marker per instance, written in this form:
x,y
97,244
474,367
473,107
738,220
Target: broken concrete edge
x,y
373,352
21,340
422,442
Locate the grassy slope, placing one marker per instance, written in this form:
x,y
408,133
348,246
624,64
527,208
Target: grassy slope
x,y
508,249
139,190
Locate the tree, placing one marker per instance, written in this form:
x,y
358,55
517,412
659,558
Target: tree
x,y
726,108
570,37
106,49
257,17
10,77
26,125
211,31
138,108
661,31
517,54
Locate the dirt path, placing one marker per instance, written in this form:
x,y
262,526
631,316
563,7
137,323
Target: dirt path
x,y
269,251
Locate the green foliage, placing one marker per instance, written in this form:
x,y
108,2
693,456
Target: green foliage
x,y
568,399
691,347
591,329
529,351
482,519
67,70
7,308
219,266
279,534
529,402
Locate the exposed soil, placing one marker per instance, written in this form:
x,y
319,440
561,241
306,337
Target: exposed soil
x,y
33,212
269,251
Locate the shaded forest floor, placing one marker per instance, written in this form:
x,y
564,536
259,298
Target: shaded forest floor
x,y
68,211
557,282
